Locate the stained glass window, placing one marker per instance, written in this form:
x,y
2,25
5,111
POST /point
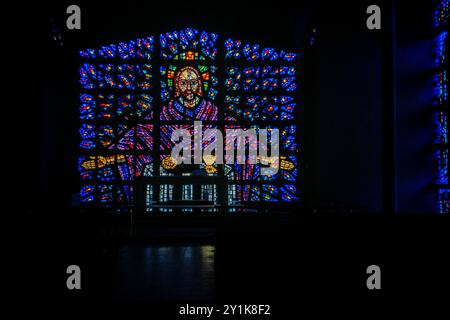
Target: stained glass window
x,y
135,94
442,107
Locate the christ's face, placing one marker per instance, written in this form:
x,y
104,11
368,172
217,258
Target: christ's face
x,y
188,84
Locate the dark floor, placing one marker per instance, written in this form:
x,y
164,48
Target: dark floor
x,y
259,259
161,272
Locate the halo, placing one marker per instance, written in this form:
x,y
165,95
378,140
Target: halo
x,y
205,70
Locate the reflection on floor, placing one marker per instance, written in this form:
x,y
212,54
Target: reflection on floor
x,y
146,271
258,259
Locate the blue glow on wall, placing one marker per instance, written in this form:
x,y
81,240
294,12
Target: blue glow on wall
x,y
441,104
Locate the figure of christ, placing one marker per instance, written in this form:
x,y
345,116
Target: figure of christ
x,y
188,104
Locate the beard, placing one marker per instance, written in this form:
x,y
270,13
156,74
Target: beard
x,y
189,96
189,99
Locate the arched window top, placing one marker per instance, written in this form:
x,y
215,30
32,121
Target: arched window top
x,y
188,44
